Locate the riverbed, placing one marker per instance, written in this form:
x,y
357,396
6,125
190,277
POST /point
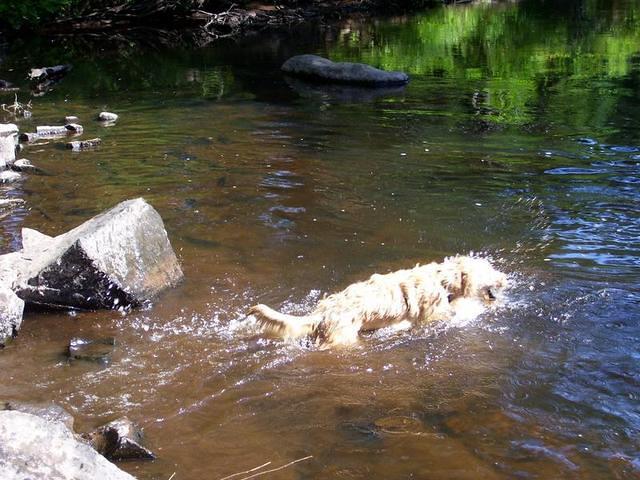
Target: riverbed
x,y
517,138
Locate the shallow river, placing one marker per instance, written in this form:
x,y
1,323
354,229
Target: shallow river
x,y
518,137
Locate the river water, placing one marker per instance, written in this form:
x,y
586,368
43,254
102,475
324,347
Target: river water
x,y
518,137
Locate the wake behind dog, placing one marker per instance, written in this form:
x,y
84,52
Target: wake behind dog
x,y
423,294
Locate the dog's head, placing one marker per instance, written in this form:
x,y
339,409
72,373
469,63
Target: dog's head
x,y
473,278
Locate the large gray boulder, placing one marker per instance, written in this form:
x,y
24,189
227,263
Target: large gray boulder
x,y
322,69
11,308
34,448
119,259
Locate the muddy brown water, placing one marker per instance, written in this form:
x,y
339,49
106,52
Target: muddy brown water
x,y
279,193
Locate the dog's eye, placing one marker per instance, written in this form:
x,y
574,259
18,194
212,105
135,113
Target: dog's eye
x,y
489,294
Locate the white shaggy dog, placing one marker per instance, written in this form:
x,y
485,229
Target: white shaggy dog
x,y
422,294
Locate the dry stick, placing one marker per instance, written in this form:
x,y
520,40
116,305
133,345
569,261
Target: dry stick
x,y
276,469
246,471
172,475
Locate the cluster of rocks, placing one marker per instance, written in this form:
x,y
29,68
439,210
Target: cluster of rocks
x,y
38,441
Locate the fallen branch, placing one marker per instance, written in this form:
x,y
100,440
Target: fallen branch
x,y
246,471
264,472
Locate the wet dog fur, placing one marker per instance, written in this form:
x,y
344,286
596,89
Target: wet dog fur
x,y
425,293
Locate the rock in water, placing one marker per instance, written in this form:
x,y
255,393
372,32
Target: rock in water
x,y
11,308
84,144
119,440
24,165
8,141
91,350
47,131
107,117
118,259
322,69
34,448
29,137
8,176
49,73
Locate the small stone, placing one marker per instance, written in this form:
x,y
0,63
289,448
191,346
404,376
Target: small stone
x,y
84,144
119,440
47,411
107,117
98,350
28,137
24,165
71,119
9,176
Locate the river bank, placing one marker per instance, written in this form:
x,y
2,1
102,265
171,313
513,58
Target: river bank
x,y
208,20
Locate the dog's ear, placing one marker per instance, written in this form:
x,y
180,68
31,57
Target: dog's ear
x,y
451,281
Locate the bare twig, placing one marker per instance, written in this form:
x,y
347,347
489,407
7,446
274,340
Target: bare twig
x,y
17,108
277,469
245,472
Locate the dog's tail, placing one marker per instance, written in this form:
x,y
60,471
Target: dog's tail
x,y
281,324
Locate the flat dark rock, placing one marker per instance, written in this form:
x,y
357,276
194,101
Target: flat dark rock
x,y
317,68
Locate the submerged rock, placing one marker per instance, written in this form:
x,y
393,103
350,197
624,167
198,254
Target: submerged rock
x,y
341,93
118,259
11,309
323,69
107,117
91,350
119,440
71,119
48,411
84,144
34,448
8,141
